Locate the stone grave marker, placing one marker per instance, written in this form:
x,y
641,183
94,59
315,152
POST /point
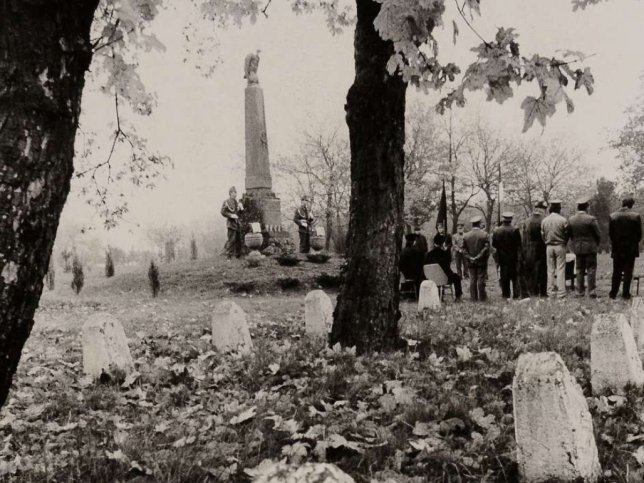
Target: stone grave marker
x,y
428,297
105,346
614,361
318,314
230,328
553,427
305,473
637,323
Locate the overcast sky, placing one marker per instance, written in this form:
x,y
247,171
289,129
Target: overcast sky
x,y
305,73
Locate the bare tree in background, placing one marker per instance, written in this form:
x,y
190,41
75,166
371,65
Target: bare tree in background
x,y
165,238
321,170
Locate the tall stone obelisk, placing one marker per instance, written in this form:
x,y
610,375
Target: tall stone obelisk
x,y
259,183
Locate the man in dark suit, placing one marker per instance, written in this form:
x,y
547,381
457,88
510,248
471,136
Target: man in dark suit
x,y
625,232
439,256
476,244
584,242
507,242
533,270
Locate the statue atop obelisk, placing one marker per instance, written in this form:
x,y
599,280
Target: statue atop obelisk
x,y
259,183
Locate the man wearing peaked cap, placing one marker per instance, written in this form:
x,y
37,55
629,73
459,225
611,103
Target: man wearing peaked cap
x,y
625,232
231,209
532,270
584,243
304,221
556,233
507,242
476,251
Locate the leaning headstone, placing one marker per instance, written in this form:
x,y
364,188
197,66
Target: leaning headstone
x,y
553,427
306,473
428,297
637,323
318,314
614,362
230,328
105,346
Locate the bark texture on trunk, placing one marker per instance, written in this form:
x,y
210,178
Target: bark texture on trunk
x,y
44,53
366,315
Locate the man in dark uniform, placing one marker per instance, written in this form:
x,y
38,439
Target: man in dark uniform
x,y
230,210
625,231
440,257
476,244
304,221
507,242
533,271
584,241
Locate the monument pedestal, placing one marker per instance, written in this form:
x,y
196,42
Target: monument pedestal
x,y
269,207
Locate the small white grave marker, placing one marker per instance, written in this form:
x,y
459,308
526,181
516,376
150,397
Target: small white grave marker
x,y
428,297
318,314
105,346
230,328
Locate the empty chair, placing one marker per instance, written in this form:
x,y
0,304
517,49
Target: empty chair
x,y
435,273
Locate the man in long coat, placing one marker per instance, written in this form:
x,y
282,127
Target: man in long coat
x,y
304,221
584,242
506,239
625,232
533,272
230,209
476,244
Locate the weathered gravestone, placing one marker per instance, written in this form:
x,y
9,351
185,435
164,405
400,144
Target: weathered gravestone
x,y
306,473
230,328
637,323
428,297
553,427
105,346
318,314
614,361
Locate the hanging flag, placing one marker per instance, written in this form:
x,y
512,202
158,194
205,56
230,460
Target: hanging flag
x,y
441,219
501,192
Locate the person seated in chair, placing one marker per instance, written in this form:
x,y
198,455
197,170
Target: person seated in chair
x,y
437,255
411,261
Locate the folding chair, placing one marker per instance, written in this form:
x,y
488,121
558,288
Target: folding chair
x,y
435,273
407,282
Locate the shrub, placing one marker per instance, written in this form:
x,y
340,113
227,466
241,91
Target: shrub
x,y
321,257
288,260
193,249
153,278
288,283
109,265
326,280
78,277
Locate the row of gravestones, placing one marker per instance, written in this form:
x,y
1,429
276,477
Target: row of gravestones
x,y
553,426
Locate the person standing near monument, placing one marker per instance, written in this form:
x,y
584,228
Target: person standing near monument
x,y
556,233
533,272
506,240
625,232
230,210
304,221
584,242
476,244
443,240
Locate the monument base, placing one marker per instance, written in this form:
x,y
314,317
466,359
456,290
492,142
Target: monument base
x,y
266,208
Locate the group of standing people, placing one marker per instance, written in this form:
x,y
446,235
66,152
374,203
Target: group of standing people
x,y
532,258
231,209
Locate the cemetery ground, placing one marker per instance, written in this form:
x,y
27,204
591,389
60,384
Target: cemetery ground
x,y
439,411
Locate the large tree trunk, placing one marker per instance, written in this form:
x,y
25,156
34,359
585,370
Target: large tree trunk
x,y
44,53
367,314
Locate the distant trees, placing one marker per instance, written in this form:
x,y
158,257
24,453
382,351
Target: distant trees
x,y
602,204
153,279
109,264
193,248
78,277
165,238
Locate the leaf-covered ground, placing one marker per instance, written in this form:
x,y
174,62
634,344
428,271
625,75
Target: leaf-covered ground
x,y
441,411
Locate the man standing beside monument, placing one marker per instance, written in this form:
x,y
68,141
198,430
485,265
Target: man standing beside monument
x,y
584,242
625,231
230,210
304,221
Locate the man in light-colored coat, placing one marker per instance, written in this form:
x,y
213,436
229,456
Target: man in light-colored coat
x,y
556,233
